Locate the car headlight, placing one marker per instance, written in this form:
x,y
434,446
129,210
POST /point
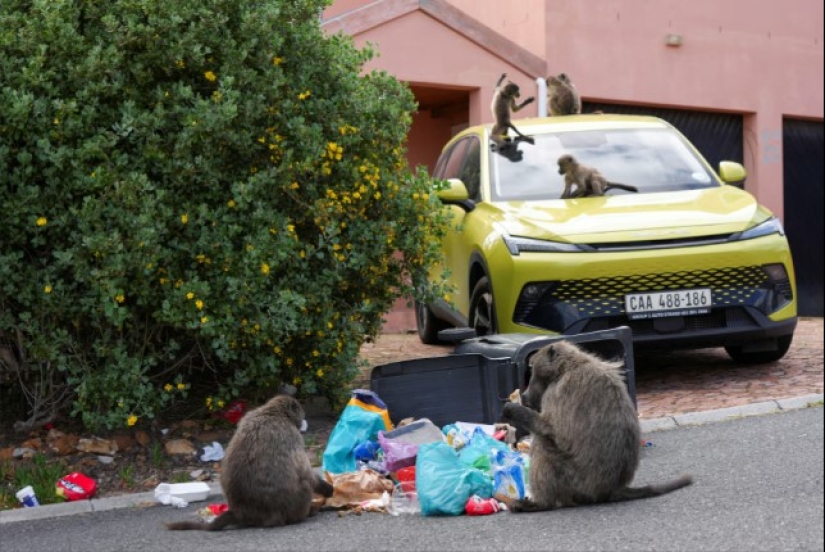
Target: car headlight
x,y
516,245
770,226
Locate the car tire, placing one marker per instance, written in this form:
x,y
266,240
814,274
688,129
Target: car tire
x,y
760,357
482,309
428,324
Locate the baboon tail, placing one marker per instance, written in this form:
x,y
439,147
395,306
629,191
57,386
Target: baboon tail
x,y
225,519
625,187
322,487
648,491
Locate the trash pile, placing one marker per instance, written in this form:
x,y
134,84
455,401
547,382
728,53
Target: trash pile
x,y
419,468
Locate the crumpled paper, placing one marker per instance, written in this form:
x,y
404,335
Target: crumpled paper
x,y
212,453
355,488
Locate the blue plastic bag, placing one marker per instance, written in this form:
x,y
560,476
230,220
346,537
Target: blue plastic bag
x,y
363,417
480,450
444,483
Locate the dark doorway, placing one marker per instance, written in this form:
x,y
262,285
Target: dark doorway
x,y
803,144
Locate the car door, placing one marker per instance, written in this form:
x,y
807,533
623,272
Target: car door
x,y
464,163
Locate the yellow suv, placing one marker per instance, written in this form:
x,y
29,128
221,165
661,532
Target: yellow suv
x,y
691,260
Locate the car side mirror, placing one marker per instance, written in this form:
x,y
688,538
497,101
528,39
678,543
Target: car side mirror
x,y
732,173
455,193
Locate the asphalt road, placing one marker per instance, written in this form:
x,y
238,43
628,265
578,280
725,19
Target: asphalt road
x,y
759,486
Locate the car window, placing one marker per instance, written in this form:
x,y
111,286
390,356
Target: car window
x,y
653,160
471,168
451,167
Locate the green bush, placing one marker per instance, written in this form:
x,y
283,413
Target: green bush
x,y
199,189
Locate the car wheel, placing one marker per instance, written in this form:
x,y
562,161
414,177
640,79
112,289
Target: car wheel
x,y
428,325
759,357
482,309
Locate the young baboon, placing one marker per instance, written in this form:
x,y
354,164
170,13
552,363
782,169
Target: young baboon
x,y
266,475
503,106
588,181
586,435
562,96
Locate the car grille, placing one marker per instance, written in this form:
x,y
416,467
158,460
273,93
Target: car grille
x,y
563,303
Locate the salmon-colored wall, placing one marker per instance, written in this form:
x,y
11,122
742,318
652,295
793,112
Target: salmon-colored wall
x,y
521,21
344,6
443,58
760,58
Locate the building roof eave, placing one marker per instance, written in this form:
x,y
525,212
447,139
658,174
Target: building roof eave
x,y
373,15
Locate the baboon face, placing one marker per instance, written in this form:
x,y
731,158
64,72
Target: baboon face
x,y
565,161
511,89
543,374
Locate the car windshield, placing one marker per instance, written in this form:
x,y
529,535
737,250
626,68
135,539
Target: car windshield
x,y
652,160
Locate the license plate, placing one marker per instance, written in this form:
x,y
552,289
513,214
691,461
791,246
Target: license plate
x,y
683,302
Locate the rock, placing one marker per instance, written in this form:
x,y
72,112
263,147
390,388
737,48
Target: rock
x,y
143,438
179,447
23,452
124,442
97,445
64,445
7,453
34,443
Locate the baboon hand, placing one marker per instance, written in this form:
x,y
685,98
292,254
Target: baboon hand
x,y
529,100
507,411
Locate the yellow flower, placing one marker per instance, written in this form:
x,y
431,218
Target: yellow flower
x,y
319,373
295,186
304,95
231,203
204,319
208,401
199,304
167,387
190,295
132,420
180,63
181,386
264,268
221,403
120,298
184,218
42,221
210,76
47,289
277,60
290,227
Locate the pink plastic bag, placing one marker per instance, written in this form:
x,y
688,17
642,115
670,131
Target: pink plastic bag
x,y
397,454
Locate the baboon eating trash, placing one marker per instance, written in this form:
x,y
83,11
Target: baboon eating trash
x,y
586,435
267,477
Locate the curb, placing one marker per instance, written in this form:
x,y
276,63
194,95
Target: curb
x,y
648,426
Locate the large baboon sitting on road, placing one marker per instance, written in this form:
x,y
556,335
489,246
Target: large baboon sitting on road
x,y
586,435
266,474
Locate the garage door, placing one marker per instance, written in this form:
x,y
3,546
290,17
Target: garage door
x,y
718,136
803,144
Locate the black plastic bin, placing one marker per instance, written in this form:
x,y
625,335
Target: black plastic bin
x,y
473,382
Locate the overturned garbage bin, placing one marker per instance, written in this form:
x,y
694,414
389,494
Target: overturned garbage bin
x,y
472,383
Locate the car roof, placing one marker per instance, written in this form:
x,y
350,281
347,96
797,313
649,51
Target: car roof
x,y
569,123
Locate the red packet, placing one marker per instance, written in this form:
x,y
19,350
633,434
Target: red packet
x,y
75,486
